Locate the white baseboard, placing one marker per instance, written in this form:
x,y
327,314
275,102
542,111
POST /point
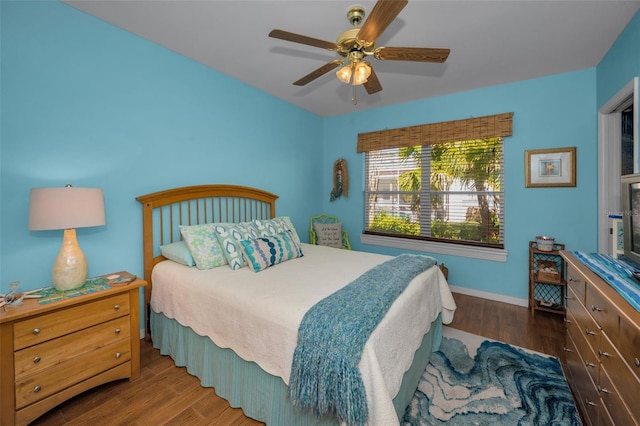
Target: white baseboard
x,y
142,334
490,296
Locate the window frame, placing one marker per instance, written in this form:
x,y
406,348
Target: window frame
x,y
499,125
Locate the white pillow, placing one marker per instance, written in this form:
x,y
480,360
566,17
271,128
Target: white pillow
x,y
329,234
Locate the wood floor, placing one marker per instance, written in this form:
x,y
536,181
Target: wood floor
x,y
168,395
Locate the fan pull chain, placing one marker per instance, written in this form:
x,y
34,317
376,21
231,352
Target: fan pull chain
x,y
353,94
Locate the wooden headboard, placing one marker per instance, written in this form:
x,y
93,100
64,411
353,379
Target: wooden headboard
x,y
163,212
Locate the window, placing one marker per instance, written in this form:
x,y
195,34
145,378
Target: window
x,y
422,187
462,203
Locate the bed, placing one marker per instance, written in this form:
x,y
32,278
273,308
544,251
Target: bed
x,y
237,330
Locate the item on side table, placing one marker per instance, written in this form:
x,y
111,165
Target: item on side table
x,y
545,243
67,208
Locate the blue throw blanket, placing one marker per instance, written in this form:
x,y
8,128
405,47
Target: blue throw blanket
x,y
616,272
324,374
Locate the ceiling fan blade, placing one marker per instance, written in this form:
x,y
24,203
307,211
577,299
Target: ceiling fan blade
x,y
417,54
299,38
373,84
382,14
317,73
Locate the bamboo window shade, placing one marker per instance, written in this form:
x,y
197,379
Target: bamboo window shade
x,y
490,126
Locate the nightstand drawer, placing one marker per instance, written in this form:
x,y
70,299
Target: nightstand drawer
x,y
37,358
71,371
49,326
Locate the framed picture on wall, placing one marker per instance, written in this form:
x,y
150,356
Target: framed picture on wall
x,y
550,167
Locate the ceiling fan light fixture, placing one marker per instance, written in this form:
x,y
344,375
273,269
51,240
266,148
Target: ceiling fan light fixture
x,y
362,73
358,43
344,74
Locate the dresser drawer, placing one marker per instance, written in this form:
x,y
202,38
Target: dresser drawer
x,y
630,345
612,400
603,312
620,376
39,357
576,282
580,322
582,384
55,324
70,371
589,356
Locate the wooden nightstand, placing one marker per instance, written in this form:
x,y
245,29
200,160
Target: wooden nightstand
x,y
52,352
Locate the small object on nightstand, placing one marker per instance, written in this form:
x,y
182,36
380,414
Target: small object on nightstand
x,y
120,278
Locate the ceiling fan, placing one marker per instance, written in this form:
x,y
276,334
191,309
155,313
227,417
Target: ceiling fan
x,y
355,44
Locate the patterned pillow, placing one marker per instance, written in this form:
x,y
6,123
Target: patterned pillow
x,y
329,234
203,245
264,252
178,252
229,236
275,226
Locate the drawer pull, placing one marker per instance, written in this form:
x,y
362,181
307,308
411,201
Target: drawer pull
x,y
594,308
36,331
570,298
593,404
589,364
636,361
36,388
116,308
590,333
602,353
566,349
118,355
36,359
567,321
603,390
118,331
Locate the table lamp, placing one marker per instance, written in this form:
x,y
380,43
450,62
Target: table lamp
x,y
67,208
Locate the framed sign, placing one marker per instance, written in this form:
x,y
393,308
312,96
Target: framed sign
x,y
550,167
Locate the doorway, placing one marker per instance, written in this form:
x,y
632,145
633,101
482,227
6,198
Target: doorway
x,y
619,115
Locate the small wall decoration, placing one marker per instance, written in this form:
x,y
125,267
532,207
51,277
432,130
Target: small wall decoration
x,y
551,167
340,180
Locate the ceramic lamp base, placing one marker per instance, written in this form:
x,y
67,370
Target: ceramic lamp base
x,y
70,268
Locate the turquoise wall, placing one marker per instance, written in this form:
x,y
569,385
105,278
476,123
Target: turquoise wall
x,y
555,111
621,63
86,103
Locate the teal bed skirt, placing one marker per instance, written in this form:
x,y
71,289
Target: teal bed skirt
x,y
245,385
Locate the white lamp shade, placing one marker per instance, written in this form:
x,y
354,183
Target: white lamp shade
x,y
65,208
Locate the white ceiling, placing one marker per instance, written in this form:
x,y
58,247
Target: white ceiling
x,y
491,42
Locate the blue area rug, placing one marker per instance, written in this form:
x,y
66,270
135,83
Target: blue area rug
x,y
476,381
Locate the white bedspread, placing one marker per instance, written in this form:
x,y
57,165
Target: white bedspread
x,y
257,314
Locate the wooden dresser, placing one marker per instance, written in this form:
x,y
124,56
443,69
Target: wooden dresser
x,y
52,352
602,348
